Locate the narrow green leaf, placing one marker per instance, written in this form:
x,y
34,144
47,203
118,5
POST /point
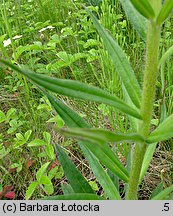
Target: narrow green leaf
x,y
75,178
67,189
31,190
170,197
102,176
166,55
147,159
78,90
101,135
102,151
165,12
75,196
120,61
157,190
114,179
72,119
105,155
144,8
163,195
137,20
163,115
129,160
41,171
2,117
128,167
133,121
163,132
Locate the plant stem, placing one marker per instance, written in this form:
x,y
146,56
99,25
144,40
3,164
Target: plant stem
x,y
149,86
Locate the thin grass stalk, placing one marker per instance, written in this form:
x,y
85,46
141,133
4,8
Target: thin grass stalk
x,y
149,86
7,25
4,52
9,30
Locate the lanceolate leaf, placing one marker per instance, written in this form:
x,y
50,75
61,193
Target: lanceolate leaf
x,y
120,62
98,150
164,194
147,159
75,196
144,8
72,119
76,89
163,132
107,157
133,121
137,20
102,176
67,189
165,11
75,178
102,136
157,190
166,55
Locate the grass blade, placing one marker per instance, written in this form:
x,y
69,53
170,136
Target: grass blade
x,y
163,195
76,89
163,132
72,119
138,21
102,136
144,8
165,11
75,178
76,196
120,62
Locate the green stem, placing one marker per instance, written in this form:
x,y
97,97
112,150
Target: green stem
x,y
149,86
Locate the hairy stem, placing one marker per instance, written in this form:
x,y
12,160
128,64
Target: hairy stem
x,y
149,85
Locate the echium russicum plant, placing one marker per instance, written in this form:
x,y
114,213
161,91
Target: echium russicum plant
x,y
147,16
